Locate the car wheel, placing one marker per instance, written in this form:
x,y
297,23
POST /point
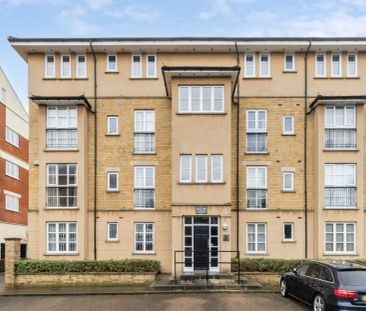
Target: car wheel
x,y
283,288
319,303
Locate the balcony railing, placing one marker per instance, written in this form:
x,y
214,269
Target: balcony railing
x,y
256,142
61,138
340,138
61,196
257,198
340,196
144,198
144,142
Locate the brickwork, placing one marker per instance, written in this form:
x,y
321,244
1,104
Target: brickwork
x,y
12,255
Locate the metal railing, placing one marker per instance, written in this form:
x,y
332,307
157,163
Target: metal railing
x,y
144,142
61,138
256,142
340,196
257,198
144,198
340,138
206,262
61,196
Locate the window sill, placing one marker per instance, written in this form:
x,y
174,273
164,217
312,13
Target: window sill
x,y
250,153
16,178
65,78
201,183
144,152
12,211
201,113
12,144
289,71
81,78
61,150
144,208
111,72
143,253
144,78
351,208
290,134
288,191
49,78
288,241
111,241
58,208
61,254
341,150
337,78
256,254
257,78
113,191
107,134
340,254
253,209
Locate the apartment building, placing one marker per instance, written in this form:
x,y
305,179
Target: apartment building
x,y
192,151
13,166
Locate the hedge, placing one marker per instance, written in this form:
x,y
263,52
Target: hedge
x,y
33,266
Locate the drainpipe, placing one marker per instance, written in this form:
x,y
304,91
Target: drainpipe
x,y
95,151
237,152
305,146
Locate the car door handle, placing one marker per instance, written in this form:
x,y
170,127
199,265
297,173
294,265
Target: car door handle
x,y
312,285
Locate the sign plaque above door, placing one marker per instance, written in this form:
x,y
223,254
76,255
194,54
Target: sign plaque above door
x,y
201,210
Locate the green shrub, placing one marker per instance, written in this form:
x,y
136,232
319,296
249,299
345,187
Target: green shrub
x,y
265,264
78,266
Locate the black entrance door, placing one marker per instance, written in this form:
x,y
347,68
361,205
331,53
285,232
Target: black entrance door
x,y
201,247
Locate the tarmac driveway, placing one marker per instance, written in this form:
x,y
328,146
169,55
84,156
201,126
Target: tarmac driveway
x,y
158,302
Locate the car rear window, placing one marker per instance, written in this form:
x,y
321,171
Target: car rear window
x,y
353,278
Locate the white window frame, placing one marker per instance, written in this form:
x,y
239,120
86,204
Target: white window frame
x,y
256,238
12,199
133,75
205,157
284,174
334,240
292,125
345,125
144,251
261,65
345,165
108,68
78,75
57,108
12,169
256,129
12,137
109,181
256,176
317,75
46,66
57,237
109,118
333,74
109,238
145,186
147,66
246,75
63,75
356,65
3,95
188,156
221,157
285,63
292,239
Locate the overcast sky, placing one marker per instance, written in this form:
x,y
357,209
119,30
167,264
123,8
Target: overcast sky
x,y
107,18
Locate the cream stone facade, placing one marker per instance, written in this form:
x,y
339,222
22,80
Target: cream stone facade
x,y
205,149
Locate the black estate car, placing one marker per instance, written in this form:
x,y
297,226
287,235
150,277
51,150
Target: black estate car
x,y
327,286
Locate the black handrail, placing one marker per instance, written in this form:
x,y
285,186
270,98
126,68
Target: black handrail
x,y
208,262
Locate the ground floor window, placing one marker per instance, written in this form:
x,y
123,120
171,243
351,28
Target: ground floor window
x,y
256,238
61,237
340,237
144,237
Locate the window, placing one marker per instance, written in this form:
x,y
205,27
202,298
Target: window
x,y
201,99
288,181
256,187
112,62
151,66
201,168
112,181
112,228
340,185
340,238
11,202
144,187
61,237
265,65
65,66
256,131
61,127
81,66
289,62
320,65
288,125
336,65
49,70
352,65
61,185
136,71
144,131
2,95
112,125
249,65
256,238
340,127
288,231
12,169
185,168
12,137
144,237
217,168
